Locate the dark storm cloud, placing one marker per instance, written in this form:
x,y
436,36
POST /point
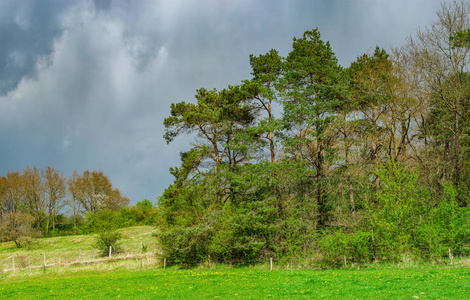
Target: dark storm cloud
x,y
87,84
28,29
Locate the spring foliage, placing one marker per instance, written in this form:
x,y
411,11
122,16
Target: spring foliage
x,y
368,162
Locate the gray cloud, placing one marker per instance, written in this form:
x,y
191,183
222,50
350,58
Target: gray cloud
x,y
87,84
28,29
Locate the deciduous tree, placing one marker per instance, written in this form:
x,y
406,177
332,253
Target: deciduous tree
x,y
95,192
56,190
33,192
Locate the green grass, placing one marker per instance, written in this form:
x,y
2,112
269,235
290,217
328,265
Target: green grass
x,y
69,247
381,282
127,278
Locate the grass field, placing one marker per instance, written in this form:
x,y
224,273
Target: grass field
x,y
145,279
72,248
381,282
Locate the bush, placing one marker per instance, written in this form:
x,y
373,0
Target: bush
x,y
108,239
105,224
356,246
446,226
186,245
394,217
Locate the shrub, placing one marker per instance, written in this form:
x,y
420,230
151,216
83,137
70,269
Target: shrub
x,y
105,222
335,244
186,245
108,239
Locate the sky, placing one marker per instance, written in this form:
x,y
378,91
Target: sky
x,y
86,85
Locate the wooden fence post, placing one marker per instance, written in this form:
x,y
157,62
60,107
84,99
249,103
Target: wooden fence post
x,y
109,251
450,256
164,263
44,262
141,247
270,264
345,265
13,259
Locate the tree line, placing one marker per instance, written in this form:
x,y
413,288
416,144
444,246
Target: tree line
x,y
34,202
311,159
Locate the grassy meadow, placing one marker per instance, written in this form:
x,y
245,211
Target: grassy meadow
x,y
70,250
374,282
146,279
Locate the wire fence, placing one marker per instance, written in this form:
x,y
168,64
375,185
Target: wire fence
x,y
153,258
87,256
314,260
49,260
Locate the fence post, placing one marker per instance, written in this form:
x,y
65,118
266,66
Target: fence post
x,y
141,247
450,256
345,265
13,259
44,262
270,264
109,251
164,263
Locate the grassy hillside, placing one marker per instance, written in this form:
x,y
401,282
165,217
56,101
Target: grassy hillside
x,y
73,249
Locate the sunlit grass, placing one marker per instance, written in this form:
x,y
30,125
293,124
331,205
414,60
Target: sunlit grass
x,y
145,278
373,282
68,250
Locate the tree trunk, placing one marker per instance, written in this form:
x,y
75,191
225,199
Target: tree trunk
x,y
320,190
351,197
348,178
271,135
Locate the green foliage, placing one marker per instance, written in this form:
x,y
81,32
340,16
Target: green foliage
x,y
252,221
461,38
107,239
105,224
337,244
185,245
311,79
142,213
446,226
144,248
366,162
395,216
